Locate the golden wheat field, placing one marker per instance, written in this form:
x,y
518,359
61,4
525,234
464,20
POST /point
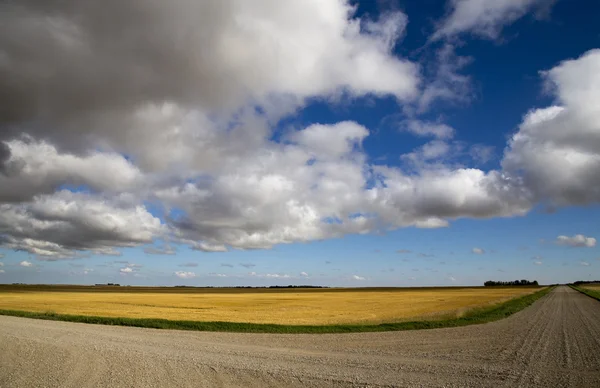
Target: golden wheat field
x,y
595,286
310,307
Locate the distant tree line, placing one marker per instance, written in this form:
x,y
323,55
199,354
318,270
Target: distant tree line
x,y
523,282
586,282
301,286
253,287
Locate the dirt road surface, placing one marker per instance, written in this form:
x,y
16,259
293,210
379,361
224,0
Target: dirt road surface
x,y
554,343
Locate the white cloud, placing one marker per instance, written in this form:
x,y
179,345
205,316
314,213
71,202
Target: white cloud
x,y
208,247
221,56
36,167
478,251
485,18
2,271
26,263
185,275
452,278
331,141
1,264
562,166
584,263
426,128
537,262
356,277
219,275
577,240
197,130
303,274
270,275
126,270
58,225
276,276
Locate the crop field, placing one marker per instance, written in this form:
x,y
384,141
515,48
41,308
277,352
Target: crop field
x,y
278,306
594,286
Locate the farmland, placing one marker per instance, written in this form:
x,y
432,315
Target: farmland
x,y
273,306
593,286
525,349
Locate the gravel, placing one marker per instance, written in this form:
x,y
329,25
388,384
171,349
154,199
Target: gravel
x,y
554,343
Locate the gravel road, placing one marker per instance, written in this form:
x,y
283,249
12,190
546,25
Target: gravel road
x,y
554,343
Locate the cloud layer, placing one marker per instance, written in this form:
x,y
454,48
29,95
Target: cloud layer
x,y
129,122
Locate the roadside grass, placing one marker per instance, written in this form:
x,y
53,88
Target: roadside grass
x,y
475,316
589,292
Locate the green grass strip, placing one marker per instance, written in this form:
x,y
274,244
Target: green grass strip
x,y
591,293
476,316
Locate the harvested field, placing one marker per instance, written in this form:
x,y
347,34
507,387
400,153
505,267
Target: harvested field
x,y
595,286
278,306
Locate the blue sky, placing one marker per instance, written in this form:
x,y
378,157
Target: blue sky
x,y
428,143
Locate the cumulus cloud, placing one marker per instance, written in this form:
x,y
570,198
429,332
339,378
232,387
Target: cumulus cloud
x,y
331,141
185,275
37,167
26,263
485,18
109,62
538,262
110,111
270,275
577,240
59,225
556,150
207,247
584,263
126,270
478,251
303,274
356,277
276,276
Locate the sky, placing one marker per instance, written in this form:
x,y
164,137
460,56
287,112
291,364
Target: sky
x,y
329,142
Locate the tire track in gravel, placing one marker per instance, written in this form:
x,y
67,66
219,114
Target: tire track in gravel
x,y
555,342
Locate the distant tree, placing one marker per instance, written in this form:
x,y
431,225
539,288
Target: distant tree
x,y
522,282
